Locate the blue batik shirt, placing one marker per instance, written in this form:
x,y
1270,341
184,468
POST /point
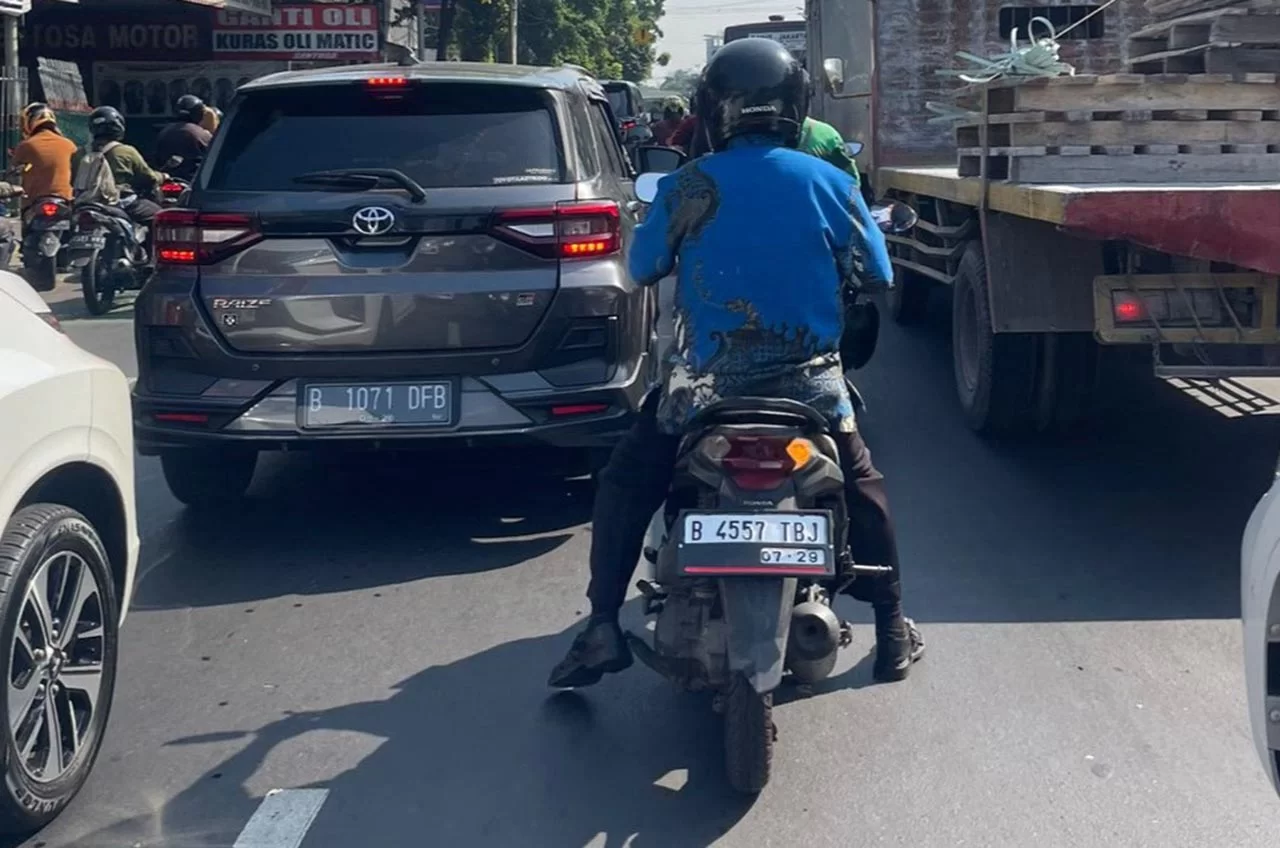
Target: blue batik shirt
x,y
764,238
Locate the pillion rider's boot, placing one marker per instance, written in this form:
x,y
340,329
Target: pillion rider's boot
x,y
898,643
601,648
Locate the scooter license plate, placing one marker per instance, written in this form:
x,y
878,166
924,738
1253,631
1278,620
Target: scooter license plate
x,y
746,543
87,241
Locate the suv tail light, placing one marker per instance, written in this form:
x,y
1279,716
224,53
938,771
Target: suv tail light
x,y
758,463
571,230
188,237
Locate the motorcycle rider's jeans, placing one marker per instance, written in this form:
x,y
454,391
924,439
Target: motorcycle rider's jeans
x,y
634,484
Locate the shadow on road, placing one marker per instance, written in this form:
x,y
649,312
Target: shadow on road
x,y
1136,516
569,767
320,524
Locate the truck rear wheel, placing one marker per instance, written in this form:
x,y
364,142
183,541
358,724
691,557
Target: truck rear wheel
x,y
995,372
1068,368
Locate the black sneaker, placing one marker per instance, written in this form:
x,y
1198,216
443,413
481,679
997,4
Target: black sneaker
x,y
599,649
898,645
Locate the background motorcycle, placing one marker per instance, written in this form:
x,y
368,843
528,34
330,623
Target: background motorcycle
x,y
110,251
747,552
45,225
173,189
10,222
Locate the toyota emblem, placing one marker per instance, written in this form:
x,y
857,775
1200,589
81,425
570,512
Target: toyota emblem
x,y
373,221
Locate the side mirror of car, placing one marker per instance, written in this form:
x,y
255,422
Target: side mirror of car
x,y
853,147
647,186
655,159
834,70
894,217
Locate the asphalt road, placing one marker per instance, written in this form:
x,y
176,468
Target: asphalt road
x,y
382,629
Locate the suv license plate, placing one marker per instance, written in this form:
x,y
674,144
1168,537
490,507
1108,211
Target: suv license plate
x,y
422,403
756,544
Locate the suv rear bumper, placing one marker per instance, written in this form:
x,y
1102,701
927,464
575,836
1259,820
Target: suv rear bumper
x,y
493,410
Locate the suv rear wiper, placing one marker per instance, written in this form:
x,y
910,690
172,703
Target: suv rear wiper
x,y
364,178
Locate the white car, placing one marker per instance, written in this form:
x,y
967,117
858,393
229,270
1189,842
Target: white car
x,y
68,550
1260,612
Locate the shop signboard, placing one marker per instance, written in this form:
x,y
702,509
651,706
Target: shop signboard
x,y
298,33
253,7
83,34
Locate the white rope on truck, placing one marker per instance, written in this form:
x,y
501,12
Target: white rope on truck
x,y
1038,58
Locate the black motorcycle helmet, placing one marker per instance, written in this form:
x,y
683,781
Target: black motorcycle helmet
x,y
189,108
753,86
106,122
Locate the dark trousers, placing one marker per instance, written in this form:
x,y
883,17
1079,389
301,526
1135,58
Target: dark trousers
x,y
143,211
635,482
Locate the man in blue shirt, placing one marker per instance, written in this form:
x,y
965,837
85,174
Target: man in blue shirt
x,y
764,238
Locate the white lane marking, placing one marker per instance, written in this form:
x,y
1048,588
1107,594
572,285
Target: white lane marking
x,y
282,819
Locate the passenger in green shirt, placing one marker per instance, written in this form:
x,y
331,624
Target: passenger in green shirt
x,y
824,141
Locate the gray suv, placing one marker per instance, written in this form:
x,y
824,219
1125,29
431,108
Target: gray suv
x,y
399,256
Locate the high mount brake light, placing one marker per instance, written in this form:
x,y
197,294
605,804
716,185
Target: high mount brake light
x,y
571,230
387,82
188,237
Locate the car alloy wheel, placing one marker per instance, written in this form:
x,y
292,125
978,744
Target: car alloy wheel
x,y
55,666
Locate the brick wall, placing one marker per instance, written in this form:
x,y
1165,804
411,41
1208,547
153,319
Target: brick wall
x,y
918,37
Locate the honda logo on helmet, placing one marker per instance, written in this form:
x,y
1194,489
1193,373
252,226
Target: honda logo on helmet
x,y
373,220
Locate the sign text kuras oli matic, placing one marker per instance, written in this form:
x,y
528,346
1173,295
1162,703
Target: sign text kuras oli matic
x,y
298,32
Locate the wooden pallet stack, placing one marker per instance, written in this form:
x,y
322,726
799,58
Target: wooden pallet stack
x,y
1124,128
1208,36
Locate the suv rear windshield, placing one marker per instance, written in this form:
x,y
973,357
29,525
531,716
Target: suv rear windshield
x,y
443,135
619,101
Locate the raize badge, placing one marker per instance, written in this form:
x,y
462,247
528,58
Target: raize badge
x,y
239,302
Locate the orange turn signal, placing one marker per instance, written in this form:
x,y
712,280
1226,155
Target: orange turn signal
x,y
800,451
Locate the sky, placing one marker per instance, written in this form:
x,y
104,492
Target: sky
x,y
687,21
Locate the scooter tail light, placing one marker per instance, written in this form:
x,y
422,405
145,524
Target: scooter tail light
x,y
759,463
49,210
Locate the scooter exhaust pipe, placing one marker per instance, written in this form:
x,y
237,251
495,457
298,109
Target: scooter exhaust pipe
x,y
813,641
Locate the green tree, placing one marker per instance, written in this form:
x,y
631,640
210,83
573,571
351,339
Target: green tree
x,y
610,38
682,81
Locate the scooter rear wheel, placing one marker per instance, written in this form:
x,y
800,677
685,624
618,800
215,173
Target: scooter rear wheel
x,y
41,272
98,288
748,736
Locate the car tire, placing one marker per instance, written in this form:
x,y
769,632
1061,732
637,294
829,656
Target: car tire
x,y
202,477
55,540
